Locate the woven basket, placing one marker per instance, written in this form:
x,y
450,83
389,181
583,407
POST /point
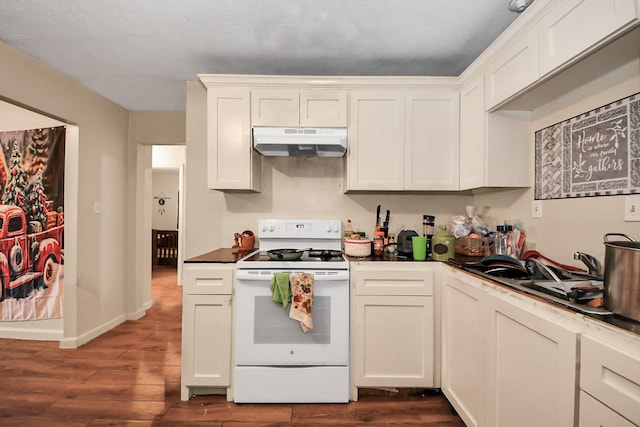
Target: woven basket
x,y
357,247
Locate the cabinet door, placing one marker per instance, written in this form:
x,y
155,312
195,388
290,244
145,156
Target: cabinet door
x,y
393,341
612,376
206,342
531,369
573,27
472,135
432,140
275,108
513,70
323,109
375,158
232,162
463,348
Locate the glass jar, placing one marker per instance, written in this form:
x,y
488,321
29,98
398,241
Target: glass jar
x,y
378,243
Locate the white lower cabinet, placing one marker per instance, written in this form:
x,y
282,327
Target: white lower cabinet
x,y
610,375
505,363
206,329
463,348
393,325
531,369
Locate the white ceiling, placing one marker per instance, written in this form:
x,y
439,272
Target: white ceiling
x,y
139,53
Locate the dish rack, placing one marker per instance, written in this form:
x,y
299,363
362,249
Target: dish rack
x,y
474,245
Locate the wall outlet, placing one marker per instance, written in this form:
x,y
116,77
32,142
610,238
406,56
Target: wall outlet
x,y
536,209
632,207
97,208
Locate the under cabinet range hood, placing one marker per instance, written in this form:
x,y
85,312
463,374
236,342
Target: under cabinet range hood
x,y
309,142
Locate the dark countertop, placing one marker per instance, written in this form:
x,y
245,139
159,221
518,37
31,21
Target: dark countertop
x,y
233,255
222,256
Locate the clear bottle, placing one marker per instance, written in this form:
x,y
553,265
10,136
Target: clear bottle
x,y
501,240
349,230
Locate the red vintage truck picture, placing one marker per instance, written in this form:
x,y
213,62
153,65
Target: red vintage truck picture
x,y
29,256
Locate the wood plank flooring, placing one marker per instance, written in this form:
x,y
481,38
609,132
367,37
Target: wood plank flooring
x,y
130,376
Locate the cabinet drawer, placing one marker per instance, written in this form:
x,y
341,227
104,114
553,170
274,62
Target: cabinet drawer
x,y
612,377
594,414
208,279
382,280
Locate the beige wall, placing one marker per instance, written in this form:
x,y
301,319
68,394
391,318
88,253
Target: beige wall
x,y
103,125
570,225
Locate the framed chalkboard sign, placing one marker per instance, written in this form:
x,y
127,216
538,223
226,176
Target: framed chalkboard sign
x,y
594,154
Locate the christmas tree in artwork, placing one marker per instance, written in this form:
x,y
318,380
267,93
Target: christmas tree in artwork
x,y
17,180
37,201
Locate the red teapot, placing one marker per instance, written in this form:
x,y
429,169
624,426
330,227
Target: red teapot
x,y
244,241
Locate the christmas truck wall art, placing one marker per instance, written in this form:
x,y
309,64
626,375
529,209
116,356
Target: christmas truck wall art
x,y
28,261
31,228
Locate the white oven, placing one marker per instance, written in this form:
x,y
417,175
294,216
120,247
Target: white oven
x,y
275,360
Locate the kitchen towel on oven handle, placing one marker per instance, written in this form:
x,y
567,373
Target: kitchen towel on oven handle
x,y
280,289
302,299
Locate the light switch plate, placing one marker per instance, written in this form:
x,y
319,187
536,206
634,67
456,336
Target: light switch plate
x,y
536,209
632,207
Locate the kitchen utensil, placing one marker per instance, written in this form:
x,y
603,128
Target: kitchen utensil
x,y
286,254
419,246
536,254
378,218
405,244
622,276
385,224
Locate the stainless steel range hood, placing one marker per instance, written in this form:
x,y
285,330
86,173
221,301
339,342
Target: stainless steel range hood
x,y
310,142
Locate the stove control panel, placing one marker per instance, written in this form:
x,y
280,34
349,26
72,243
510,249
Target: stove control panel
x,y
300,229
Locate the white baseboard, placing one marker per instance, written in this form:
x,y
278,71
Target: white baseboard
x,y
94,333
30,334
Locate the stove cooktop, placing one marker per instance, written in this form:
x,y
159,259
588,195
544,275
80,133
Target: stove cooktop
x,y
315,258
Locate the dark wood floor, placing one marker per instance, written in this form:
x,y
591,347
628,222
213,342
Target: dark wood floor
x,y
130,376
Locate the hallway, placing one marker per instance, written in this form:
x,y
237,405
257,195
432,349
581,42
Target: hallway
x,y
130,376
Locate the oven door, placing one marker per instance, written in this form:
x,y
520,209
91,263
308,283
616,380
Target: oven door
x,y
265,335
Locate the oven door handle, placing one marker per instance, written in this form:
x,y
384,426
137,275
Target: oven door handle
x,y
318,276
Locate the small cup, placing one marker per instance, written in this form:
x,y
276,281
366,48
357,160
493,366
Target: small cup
x,y
419,244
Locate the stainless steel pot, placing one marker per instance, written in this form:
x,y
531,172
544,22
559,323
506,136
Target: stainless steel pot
x,y
622,276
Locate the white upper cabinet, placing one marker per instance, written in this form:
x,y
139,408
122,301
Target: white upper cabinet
x,y
275,107
284,107
375,157
495,147
432,139
403,140
232,163
472,134
323,108
515,68
574,27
